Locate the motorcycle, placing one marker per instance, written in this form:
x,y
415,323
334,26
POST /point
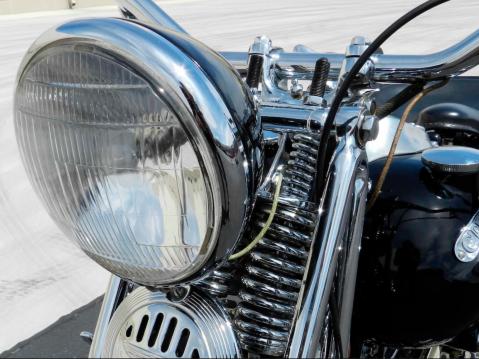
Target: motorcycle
x,y
262,203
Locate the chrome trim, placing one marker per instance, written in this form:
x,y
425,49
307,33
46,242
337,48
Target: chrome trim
x,y
289,64
347,176
353,51
238,59
110,302
197,103
278,160
413,139
278,117
302,48
452,61
270,89
466,247
452,159
149,11
352,248
149,324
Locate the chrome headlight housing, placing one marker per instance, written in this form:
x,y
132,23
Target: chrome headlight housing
x,y
143,145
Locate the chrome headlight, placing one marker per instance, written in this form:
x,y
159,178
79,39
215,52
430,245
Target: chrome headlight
x,y
136,152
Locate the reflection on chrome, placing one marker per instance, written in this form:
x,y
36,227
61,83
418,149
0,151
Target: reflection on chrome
x,y
147,149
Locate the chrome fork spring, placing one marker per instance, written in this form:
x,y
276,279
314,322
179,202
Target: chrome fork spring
x,y
217,283
272,280
220,284
274,270
301,170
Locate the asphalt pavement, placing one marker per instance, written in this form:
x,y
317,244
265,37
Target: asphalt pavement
x,y
62,338
42,275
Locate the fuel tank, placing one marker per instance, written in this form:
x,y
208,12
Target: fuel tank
x,y
412,290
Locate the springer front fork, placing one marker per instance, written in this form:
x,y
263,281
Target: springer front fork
x,y
334,253
331,268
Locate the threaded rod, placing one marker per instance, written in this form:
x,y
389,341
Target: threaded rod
x,y
320,77
255,67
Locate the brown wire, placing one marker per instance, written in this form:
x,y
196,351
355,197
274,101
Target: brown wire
x,y
397,135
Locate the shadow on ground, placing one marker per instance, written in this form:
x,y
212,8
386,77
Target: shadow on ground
x,y
61,339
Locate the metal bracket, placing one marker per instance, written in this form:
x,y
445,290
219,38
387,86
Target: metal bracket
x,y
355,49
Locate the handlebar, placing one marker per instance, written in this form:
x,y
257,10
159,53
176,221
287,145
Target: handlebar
x,y
387,68
300,65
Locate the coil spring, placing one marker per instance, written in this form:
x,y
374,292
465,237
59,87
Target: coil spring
x,y
300,174
220,284
274,270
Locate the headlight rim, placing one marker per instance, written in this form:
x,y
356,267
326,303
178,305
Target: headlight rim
x,y
92,33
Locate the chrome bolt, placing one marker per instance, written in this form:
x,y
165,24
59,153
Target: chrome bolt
x,y
314,101
296,89
369,128
87,336
261,45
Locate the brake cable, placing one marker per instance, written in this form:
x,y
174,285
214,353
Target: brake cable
x,y
382,177
348,80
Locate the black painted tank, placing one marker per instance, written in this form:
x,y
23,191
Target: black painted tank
x,y
412,290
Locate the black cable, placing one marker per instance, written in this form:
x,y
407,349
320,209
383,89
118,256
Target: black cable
x,y
343,89
399,99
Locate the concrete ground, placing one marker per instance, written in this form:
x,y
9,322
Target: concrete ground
x,y
42,275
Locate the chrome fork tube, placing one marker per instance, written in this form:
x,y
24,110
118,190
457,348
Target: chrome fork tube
x,y
344,204
110,302
352,247
149,11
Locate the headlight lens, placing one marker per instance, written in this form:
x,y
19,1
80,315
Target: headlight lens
x,y
114,165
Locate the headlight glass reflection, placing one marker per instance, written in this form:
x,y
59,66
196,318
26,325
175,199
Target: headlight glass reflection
x,y
113,165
